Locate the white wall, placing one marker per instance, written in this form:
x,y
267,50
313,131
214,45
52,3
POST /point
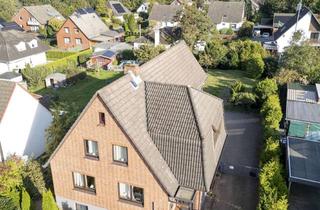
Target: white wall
x,y
33,60
224,25
22,128
286,39
64,203
168,24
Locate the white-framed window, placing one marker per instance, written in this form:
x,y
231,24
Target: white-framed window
x,y
66,30
81,207
78,41
131,193
120,154
84,182
67,40
233,26
91,148
21,46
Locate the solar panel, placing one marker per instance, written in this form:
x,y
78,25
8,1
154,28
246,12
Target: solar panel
x,y
90,10
119,8
108,53
81,11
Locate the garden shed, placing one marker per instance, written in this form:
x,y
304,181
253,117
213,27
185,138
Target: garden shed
x,y
55,80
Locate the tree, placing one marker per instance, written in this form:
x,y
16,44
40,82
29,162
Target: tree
x,y
304,60
8,9
195,25
53,27
132,4
254,66
64,116
48,202
101,8
147,52
246,29
131,27
214,52
271,110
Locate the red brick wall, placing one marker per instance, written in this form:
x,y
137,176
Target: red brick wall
x,y
25,15
61,34
70,157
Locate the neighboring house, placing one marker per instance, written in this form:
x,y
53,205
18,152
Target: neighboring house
x,y
150,140
83,29
279,19
227,14
303,134
305,23
31,18
23,121
55,80
165,15
165,36
101,59
118,9
181,2
18,49
117,47
5,26
143,8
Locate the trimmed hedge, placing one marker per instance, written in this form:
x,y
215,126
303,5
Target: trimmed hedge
x,y
53,54
273,191
36,76
48,202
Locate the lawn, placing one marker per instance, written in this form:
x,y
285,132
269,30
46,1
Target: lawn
x,y
219,82
83,90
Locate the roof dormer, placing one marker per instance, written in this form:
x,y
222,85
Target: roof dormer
x,y
33,43
21,46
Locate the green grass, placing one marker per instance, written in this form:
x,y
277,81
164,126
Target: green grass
x,y
83,90
219,83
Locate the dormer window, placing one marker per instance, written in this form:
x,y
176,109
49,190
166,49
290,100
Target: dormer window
x,y
33,43
21,46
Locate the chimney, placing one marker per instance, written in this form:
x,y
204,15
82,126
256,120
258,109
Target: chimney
x,y
135,80
156,36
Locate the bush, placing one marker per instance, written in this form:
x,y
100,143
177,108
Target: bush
x,y
246,29
271,66
226,31
271,149
25,200
237,87
244,99
33,179
83,58
7,203
271,111
128,55
265,88
254,66
48,202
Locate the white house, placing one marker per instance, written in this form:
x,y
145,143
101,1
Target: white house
x,y
23,121
143,7
307,26
18,48
226,15
165,15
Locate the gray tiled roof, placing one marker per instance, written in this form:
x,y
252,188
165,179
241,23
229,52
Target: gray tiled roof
x,y
164,13
43,13
89,23
6,90
230,12
10,38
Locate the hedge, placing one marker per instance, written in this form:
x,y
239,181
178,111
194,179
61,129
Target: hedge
x,y
48,202
54,54
36,76
25,200
273,191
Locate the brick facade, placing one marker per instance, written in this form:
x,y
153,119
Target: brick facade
x,y
70,157
74,33
21,18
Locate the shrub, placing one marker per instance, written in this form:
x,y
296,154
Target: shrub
x,y
33,179
25,200
128,55
83,58
244,99
265,88
271,111
48,202
7,203
271,149
254,66
246,29
237,87
271,66
226,31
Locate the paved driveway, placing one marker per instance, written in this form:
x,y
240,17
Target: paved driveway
x,y
236,187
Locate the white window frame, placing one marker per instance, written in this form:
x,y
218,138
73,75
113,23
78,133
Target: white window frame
x,y
117,153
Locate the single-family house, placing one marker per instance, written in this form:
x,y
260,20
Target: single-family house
x,y
302,122
31,18
150,140
18,49
305,23
143,7
83,29
227,14
23,122
279,19
165,15
118,9
182,2
166,37
101,59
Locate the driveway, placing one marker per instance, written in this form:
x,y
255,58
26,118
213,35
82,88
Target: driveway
x,y
236,187
303,197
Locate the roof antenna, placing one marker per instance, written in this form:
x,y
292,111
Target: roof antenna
x,y
299,6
